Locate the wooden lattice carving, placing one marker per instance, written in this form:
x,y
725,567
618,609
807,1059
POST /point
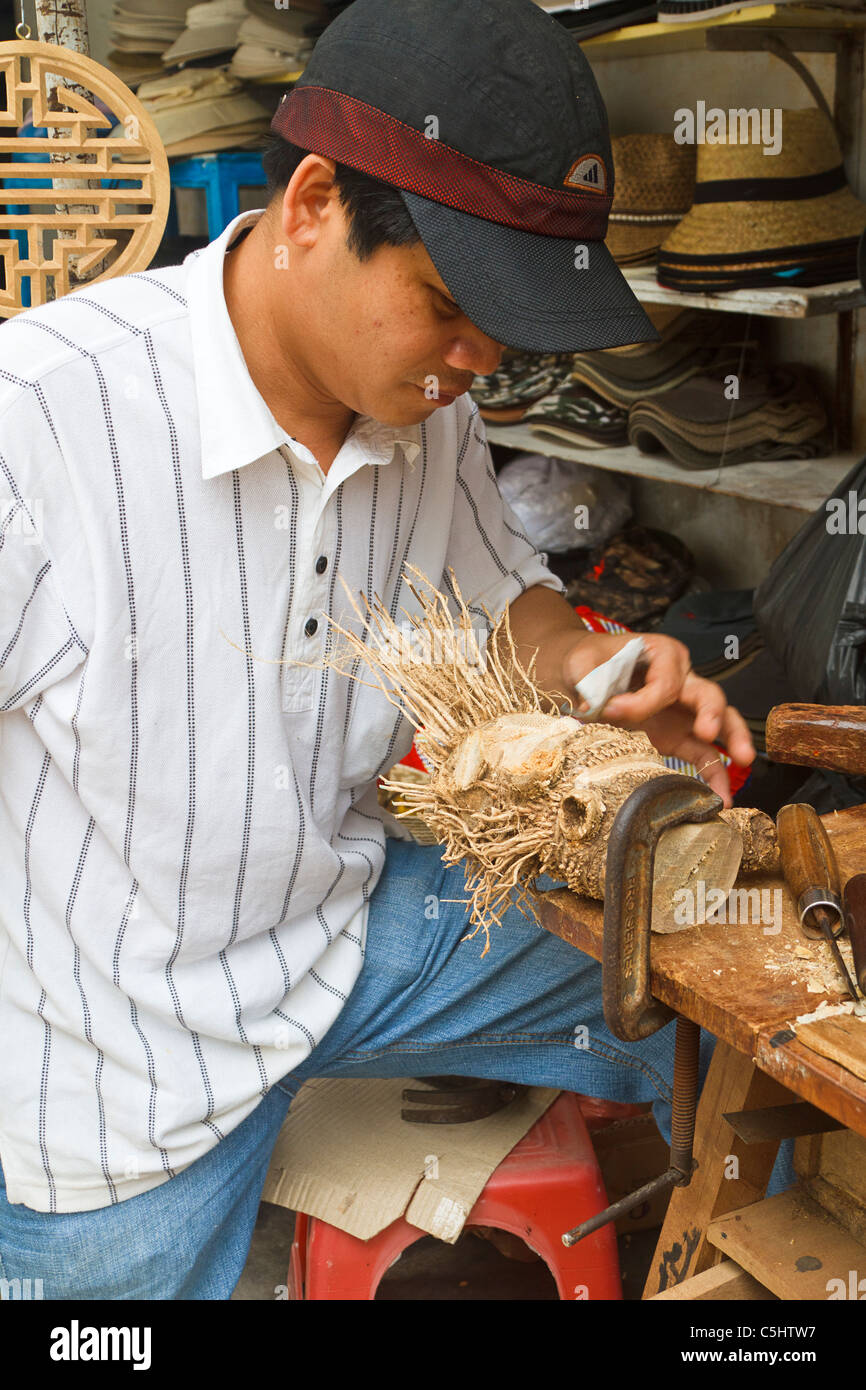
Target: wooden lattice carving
x,y
94,225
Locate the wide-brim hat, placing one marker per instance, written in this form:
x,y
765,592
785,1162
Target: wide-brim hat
x,y
211,27
768,219
489,121
655,182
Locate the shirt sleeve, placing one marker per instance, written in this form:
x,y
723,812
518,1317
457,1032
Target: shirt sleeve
x,y
39,644
488,550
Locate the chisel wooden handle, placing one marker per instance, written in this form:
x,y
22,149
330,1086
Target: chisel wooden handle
x,y
854,903
810,869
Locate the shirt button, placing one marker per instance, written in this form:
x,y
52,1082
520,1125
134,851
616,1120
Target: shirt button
x,y
321,564
310,626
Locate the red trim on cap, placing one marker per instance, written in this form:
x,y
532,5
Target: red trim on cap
x,y
354,133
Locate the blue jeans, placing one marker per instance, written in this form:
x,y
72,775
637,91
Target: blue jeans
x,y
424,1004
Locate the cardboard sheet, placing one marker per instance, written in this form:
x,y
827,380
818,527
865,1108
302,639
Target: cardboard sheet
x,y
345,1155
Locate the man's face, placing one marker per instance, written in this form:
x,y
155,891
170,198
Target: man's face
x,y
382,336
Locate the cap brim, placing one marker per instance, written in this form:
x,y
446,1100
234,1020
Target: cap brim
x,y
526,291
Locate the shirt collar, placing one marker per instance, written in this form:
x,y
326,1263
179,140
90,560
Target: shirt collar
x,y
235,424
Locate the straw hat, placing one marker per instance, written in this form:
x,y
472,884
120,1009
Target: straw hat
x,y
767,220
654,180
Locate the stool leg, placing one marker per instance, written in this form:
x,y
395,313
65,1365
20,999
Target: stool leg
x,y
340,1266
297,1276
588,1270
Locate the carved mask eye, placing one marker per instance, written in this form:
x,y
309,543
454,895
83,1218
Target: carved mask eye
x,y
579,816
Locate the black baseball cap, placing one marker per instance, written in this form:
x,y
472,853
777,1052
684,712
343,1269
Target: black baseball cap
x,y
487,117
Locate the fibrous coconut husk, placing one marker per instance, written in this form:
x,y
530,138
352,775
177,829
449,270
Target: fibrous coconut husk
x,y
517,788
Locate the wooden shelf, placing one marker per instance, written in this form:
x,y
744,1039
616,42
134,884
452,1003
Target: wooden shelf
x,y
798,484
789,303
637,40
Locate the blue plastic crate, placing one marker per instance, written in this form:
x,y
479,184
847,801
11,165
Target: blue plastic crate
x,y
221,176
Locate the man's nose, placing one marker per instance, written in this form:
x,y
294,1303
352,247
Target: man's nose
x,y
473,351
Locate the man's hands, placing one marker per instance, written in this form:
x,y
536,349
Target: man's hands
x,y
681,713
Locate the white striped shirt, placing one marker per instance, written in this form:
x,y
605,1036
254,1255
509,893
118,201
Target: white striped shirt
x,y
189,827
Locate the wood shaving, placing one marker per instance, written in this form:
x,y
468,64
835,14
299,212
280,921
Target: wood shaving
x,y
816,970
824,1010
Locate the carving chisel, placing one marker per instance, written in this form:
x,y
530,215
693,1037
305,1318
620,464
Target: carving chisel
x,y
854,907
810,869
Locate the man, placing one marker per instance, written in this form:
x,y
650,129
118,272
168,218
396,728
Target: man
x,y
198,910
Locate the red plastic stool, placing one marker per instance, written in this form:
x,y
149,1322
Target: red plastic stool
x,y
548,1183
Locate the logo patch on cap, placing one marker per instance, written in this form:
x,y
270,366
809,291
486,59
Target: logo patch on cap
x,y
588,172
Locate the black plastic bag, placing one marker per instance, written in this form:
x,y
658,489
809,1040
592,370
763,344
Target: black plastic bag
x,y
811,608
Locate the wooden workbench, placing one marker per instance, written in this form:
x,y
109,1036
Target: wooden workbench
x,y
719,976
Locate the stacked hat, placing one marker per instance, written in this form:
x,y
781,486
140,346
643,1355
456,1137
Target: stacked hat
x,y
197,110
133,68
761,221
273,45
591,17
140,31
536,389
691,342
776,415
583,397
521,378
655,183
672,11
574,414
211,28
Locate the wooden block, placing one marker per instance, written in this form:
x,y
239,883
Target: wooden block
x,y
724,1282
842,1039
791,1245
